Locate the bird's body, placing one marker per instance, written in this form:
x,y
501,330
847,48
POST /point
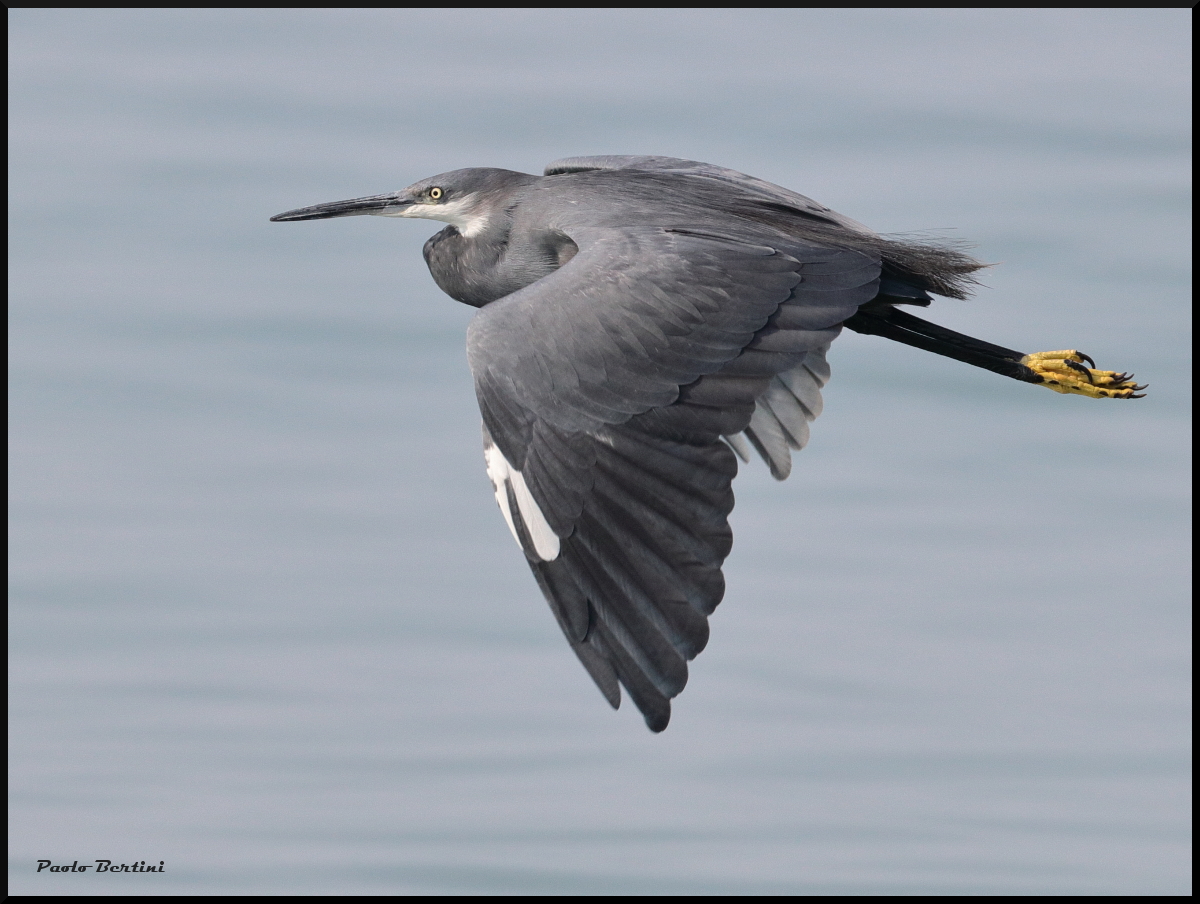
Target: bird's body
x,y
641,318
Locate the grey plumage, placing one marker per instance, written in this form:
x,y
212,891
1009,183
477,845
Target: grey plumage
x,y
639,317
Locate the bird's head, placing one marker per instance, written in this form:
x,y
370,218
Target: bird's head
x,y
468,199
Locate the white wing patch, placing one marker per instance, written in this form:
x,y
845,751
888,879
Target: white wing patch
x,y
782,414
778,426
503,475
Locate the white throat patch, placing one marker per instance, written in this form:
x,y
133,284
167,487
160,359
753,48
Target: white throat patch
x,y
457,213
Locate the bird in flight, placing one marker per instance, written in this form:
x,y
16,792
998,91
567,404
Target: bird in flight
x,y
644,322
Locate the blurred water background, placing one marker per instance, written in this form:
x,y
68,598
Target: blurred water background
x,y
268,626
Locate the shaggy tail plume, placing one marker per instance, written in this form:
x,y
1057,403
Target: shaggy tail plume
x,y
943,268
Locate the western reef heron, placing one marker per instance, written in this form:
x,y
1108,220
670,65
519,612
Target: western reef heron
x,y
643,319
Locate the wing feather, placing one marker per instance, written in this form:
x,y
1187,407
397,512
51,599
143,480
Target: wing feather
x,y
609,385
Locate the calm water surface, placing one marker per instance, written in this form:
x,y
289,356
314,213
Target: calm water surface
x,y
268,626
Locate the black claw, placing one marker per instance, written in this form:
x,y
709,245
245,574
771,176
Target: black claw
x,y
1087,358
1075,365
1138,395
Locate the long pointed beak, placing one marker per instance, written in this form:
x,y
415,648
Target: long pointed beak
x,y
355,207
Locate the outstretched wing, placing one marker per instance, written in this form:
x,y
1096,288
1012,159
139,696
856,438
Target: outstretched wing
x,y
606,388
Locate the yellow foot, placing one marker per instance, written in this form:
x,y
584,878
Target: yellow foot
x,y
1064,372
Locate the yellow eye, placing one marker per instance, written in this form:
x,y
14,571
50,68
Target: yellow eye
x,y
435,193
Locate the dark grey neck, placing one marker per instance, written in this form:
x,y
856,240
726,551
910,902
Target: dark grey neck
x,y
483,268
467,269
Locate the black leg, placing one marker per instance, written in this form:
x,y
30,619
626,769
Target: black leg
x,y
892,323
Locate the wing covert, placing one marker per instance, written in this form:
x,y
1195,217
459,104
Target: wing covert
x,y
616,332
749,186
606,388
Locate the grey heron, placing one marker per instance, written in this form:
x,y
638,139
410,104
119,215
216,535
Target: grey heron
x,y
643,319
